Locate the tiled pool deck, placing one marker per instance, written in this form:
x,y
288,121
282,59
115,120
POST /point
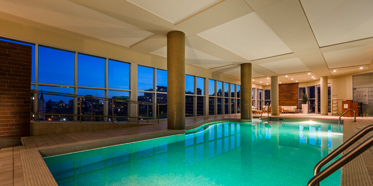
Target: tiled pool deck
x,y
14,171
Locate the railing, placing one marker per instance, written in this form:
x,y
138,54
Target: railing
x,y
319,176
105,101
339,120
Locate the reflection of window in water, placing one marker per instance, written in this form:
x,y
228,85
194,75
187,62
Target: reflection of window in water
x,y
302,138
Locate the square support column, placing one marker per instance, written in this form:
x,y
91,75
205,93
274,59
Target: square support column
x,y
324,95
274,96
246,94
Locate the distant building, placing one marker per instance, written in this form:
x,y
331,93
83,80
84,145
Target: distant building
x,y
42,106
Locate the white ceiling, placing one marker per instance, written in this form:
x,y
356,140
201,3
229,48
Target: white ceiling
x,y
279,37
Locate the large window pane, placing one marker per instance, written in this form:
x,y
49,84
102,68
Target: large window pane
x,y
145,78
211,87
211,106
189,106
219,88
92,104
226,89
226,106
238,91
120,105
56,104
238,105
91,71
200,86
232,90
56,66
145,110
232,106
32,54
189,84
220,106
161,80
162,99
200,103
267,94
119,75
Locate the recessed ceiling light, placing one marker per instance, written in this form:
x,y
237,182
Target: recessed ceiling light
x,y
312,77
309,73
267,83
334,70
253,79
286,76
361,68
267,77
280,82
291,78
296,81
260,82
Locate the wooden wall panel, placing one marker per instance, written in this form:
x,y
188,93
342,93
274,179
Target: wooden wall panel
x,y
288,94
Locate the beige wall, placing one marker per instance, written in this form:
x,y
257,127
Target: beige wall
x,y
49,36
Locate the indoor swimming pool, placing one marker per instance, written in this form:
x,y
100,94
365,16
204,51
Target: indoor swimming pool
x,y
225,153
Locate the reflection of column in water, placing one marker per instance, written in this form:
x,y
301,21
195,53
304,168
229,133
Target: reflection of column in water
x,y
324,140
275,139
206,144
246,150
262,129
336,139
255,131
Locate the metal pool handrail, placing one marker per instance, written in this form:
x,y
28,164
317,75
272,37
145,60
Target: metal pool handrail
x,y
261,115
339,120
317,178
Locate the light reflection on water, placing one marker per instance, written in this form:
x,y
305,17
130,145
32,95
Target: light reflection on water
x,y
274,153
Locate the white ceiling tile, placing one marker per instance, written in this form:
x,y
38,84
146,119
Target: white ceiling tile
x,y
338,21
70,16
247,36
286,66
349,57
174,11
196,57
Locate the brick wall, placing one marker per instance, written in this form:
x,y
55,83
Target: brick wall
x,y
288,94
15,79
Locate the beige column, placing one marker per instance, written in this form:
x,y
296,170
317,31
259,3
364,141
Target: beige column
x,y
324,95
176,80
246,99
274,96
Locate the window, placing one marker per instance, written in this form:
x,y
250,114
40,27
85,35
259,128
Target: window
x,y
119,107
233,106
220,106
211,106
161,80
145,78
56,66
200,86
189,108
32,59
219,88
238,91
267,97
226,105
91,71
55,104
162,99
119,75
145,110
200,105
92,103
189,84
232,90
212,87
226,89
302,90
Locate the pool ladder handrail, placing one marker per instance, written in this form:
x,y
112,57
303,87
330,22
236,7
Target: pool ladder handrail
x,y
261,115
340,162
339,120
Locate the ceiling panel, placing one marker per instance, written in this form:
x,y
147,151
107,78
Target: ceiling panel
x,y
247,36
338,21
70,16
349,57
174,11
286,66
196,57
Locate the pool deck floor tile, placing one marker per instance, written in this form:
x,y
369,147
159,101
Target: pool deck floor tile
x,y
357,172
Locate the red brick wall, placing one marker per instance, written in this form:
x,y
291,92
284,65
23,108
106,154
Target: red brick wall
x,y
288,94
15,79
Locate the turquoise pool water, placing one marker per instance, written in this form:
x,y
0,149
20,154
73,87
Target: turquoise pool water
x,y
258,153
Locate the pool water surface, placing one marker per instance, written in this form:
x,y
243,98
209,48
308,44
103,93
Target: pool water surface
x,y
228,153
